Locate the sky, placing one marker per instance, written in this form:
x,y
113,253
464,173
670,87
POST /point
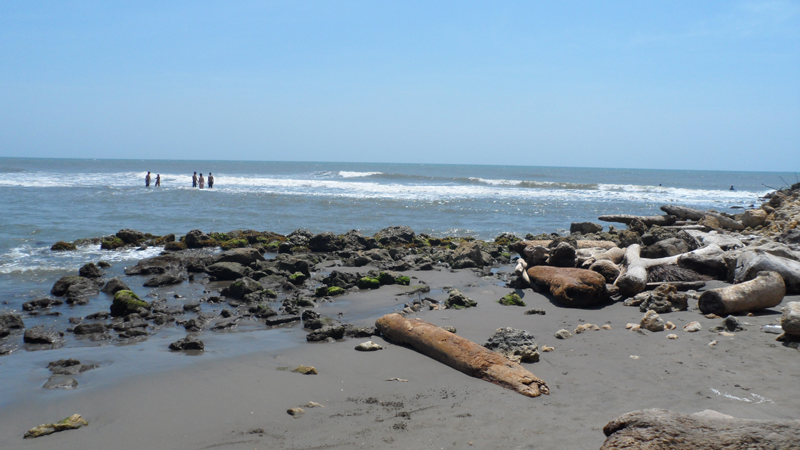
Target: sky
x,y
711,85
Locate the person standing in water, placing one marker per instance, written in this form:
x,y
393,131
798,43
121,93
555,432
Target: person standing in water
x,y
194,180
147,180
210,180
158,180
201,181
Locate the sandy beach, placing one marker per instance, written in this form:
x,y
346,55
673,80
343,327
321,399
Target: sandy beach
x,y
595,376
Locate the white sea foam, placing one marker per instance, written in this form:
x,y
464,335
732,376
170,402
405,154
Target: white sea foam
x,y
346,174
26,258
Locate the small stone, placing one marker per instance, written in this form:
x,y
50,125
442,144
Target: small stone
x,y
606,327
713,343
636,328
547,348
628,326
712,316
593,327
726,334
313,405
368,346
672,336
306,370
692,327
60,382
634,357
530,312
652,322
669,326
563,334
730,323
296,412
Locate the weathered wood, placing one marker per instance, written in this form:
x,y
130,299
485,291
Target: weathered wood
x,y
679,285
633,278
765,291
461,354
627,219
749,264
660,429
695,214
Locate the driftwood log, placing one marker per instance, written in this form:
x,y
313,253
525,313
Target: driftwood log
x,y
749,264
660,429
633,278
627,219
461,354
765,291
695,214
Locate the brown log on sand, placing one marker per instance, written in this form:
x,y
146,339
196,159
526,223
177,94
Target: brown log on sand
x,y
627,219
765,291
695,214
461,354
633,278
660,429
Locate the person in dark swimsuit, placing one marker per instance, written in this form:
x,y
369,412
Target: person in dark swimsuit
x,y
147,180
194,180
210,180
158,180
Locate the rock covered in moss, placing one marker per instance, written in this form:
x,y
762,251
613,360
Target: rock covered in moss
x,y
457,300
72,422
111,243
62,246
126,303
511,299
241,287
175,246
368,283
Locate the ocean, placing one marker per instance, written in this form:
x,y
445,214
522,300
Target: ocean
x,y
48,200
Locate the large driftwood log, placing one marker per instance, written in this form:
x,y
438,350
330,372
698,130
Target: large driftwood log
x,y
633,278
461,354
749,264
708,260
627,219
695,214
764,291
660,429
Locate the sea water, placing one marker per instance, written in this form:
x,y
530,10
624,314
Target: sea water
x,y
48,200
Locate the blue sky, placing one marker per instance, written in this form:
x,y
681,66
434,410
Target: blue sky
x,y
680,84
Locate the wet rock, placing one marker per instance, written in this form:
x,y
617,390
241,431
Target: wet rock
x,y
563,334
652,322
199,322
325,242
38,335
241,287
224,324
281,319
196,239
115,285
516,345
156,265
166,279
563,255
89,328
368,346
606,268
90,270
368,283
131,236
260,296
69,367
664,299
100,315
244,256
11,321
572,287
72,422
353,240
511,299
342,280
187,343
457,300
127,302
60,382
353,331
191,306
585,227
262,312
333,332
397,235
3,333
228,271
42,303
729,324
80,284
62,246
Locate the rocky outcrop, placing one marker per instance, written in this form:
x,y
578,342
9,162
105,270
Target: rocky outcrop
x,y
62,246
575,288
516,345
457,300
228,271
165,279
115,285
40,335
244,256
393,236
196,239
11,321
469,254
585,227
131,237
126,303
156,265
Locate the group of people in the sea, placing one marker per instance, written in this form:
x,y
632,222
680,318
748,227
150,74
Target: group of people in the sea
x,y
196,182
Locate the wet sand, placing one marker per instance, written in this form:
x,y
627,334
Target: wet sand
x,y
240,402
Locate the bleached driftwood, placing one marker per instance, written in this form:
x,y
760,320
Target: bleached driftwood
x,y
695,214
633,278
764,291
522,271
660,429
461,354
627,219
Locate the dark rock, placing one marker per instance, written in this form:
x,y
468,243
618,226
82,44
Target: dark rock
x,y
228,271
667,247
193,306
368,283
241,287
62,246
166,279
664,299
130,236
319,323
585,227
187,343
89,328
397,235
563,255
281,319
343,280
69,367
126,303
38,335
115,285
156,265
457,300
101,315
78,292
516,345
294,265
333,332
262,311
3,333
60,382
11,321
309,315
299,238
530,312
226,313
353,331
260,296
175,246
244,256
353,240
198,323
224,324
730,324
325,242
628,237
196,239
41,303
469,254
61,286
161,319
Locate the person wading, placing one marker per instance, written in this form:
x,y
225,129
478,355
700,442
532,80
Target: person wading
x,y
194,180
210,180
201,181
147,180
158,180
